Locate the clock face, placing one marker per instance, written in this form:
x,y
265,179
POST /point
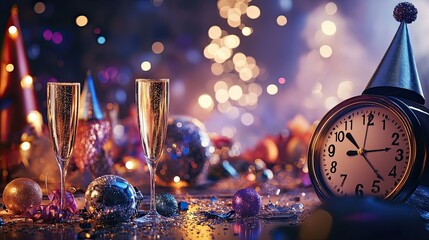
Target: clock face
x,y
364,150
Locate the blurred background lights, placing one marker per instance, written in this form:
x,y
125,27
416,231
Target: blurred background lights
x,y
57,37
13,30
101,40
215,32
146,66
246,31
176,179
331,8
130,165
235,92
157,47
281,20
282,80
222,95
328,27
330,102
325,51
39,7
232,41
253,12
205,101
247,119
217,69
81,21
121,96
27,82
345,90
285,5
25,146
272,89
10,67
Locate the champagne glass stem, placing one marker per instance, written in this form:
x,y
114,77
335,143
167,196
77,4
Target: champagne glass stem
x,y
63,173
152,170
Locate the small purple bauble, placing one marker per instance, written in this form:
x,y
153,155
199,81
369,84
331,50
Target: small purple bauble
x,y
247,202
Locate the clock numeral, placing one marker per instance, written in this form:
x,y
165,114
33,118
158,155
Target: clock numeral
x,y
331,150
395,137
344,176
375,187
359,190
384,124
393,172
370,118
348,124
333,166
339,136
400,155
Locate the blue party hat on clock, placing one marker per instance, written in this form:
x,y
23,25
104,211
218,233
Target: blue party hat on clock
x,y
397,73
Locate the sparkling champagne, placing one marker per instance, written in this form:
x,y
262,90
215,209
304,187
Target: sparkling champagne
x,y
152,98
63,105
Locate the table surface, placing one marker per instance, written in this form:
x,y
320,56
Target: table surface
x,y
194,223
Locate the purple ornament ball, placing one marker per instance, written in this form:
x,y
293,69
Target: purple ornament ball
x,y
247,202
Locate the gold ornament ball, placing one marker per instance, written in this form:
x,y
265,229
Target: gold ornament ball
x,y
20,194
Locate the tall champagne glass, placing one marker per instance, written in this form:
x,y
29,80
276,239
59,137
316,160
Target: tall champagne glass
x,y
152,100
63,106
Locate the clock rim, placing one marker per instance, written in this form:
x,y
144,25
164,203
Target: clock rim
x,y
415,168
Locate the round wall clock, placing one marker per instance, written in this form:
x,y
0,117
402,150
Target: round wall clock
x,y
376,144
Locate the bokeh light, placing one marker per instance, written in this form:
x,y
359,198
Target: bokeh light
x,y
325,51
27,82
235,92
253,12
157,47
39,7
215,32
205,101
10,67
272,89
281,20
247,119
13,30
81,21
146,66
331,8
345,90
328,27
101,40
246,31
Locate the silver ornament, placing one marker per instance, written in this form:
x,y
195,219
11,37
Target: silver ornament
x,y
111,198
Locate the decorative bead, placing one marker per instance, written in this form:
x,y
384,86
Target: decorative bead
x,y
247,202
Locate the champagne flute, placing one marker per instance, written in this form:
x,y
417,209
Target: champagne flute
x,y
152,100
63,108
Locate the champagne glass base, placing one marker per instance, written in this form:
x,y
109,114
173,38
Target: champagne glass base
x,y
152,218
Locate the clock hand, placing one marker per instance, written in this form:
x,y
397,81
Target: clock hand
x,y
372,166
352,153
370,117
378,150
350,137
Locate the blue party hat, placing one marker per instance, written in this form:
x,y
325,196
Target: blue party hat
x,y
397,73
89,106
